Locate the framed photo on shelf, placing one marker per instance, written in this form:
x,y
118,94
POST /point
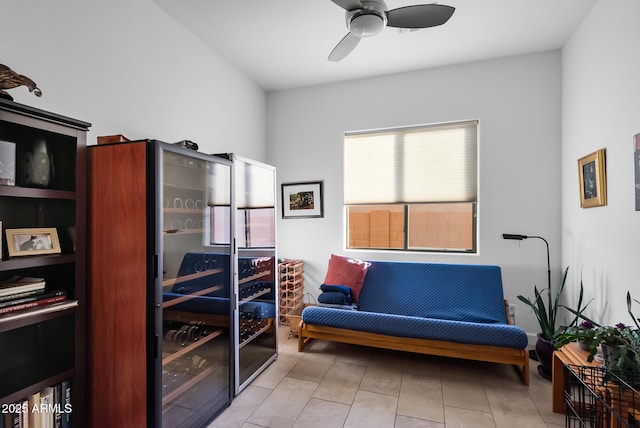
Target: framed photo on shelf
x,y
32,242
593,179
302,200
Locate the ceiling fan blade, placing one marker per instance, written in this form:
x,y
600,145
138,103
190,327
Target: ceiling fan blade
x,y
348,4
419,16
344,47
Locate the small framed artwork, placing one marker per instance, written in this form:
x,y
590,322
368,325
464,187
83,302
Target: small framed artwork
x,y
32,242
593,180
302,200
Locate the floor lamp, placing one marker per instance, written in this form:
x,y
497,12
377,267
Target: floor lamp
x,y
533,354
520,238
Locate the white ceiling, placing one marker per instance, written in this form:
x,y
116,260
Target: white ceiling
x,y
283,44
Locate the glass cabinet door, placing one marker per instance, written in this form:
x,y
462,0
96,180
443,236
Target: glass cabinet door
x,y
196,321
255,268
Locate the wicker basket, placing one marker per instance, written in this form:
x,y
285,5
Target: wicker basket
x,y
295,316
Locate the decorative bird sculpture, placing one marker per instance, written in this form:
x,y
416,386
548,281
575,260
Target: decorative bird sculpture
x,y
9,79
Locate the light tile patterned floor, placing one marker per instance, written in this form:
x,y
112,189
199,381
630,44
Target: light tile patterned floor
x,y
338,385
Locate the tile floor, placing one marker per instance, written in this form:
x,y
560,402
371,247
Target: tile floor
x,y
338,385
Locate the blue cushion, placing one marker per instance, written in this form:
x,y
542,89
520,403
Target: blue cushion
x,y
339,288
334,298
503,335
461,292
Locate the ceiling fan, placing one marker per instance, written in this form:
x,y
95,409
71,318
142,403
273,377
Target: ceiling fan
x,y
367,18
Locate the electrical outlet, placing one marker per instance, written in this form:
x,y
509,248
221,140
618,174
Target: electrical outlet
x,y
512,312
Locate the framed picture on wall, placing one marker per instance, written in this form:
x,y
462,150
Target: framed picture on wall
x,y
593,179
302,200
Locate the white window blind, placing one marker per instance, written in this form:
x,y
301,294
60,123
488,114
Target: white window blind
x,y
435,163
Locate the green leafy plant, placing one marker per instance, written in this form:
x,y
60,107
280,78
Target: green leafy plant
x,y
621,339
545,306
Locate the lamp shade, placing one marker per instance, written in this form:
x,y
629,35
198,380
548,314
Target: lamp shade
x,y
514,236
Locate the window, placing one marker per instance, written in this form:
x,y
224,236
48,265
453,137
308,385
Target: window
x,y
412,188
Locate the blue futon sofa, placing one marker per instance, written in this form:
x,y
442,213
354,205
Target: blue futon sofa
x,y
453,310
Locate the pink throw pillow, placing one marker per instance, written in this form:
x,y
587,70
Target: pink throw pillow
x,y
348,272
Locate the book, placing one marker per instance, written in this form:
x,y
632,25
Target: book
x,y
24,413
17,279
11,420
41,295
21,295
57,401
17,285
66,403
35,420
57,297
46,405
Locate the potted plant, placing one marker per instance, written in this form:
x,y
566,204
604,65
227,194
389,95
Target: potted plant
x,y
585,333
620,343
545,306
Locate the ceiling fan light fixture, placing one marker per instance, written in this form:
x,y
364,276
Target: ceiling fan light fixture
x,y
365,18
366,24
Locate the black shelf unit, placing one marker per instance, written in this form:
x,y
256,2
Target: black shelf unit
x,y
44,346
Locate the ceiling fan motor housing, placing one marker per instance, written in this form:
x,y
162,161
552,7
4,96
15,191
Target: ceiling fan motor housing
x,y
368,21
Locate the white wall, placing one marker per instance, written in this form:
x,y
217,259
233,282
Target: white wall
x,y
517,101
600,108
129,68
